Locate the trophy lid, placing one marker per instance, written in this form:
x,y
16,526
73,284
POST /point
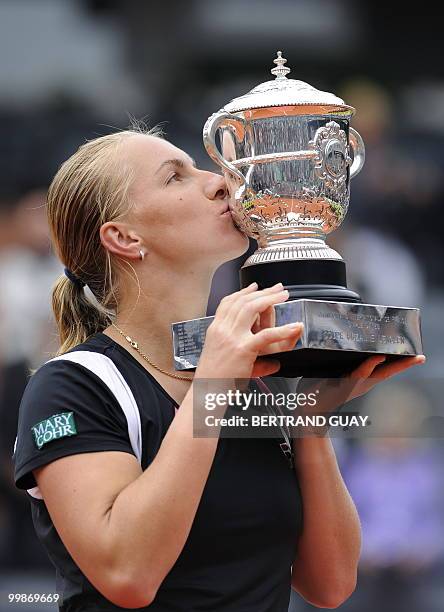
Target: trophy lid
x,y
286,92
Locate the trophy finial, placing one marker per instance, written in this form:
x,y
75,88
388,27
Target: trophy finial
x,y
280,71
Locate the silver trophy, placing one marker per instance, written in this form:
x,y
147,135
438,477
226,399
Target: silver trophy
x,y
288,153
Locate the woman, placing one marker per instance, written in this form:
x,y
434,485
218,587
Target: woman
x,y
147,515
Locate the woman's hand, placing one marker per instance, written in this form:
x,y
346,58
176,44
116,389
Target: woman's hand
x,y
242,331
375,370
334,392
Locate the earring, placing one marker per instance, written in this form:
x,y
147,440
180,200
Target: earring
x,y
142,254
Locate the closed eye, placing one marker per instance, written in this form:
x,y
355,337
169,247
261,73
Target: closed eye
x,y
177,165
175,176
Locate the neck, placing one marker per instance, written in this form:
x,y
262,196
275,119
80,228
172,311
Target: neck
x,y
164,299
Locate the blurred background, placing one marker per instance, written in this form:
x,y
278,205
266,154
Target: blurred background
x,y
71,70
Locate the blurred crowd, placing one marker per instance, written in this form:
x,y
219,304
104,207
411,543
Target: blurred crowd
x,y
391,242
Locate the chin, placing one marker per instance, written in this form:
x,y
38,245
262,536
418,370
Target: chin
x,y
245,244
238,246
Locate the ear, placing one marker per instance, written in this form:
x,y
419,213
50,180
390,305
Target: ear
x,y
118,239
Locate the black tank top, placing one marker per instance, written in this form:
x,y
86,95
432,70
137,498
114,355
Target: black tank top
x,y
243,541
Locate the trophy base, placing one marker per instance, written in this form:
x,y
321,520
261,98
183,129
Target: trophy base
x,y
337,337
319,363
314,279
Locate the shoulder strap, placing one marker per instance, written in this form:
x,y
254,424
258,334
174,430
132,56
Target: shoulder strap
x,y
105,369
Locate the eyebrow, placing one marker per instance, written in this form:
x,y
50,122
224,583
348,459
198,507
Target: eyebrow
x,y
176,163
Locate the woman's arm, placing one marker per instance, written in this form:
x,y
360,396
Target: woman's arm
x,y
126,528
325,569
123,527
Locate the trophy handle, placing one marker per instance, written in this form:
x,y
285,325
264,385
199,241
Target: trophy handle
x,y
209,134
357,145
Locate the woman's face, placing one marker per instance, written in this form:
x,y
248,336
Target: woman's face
x,y
180,212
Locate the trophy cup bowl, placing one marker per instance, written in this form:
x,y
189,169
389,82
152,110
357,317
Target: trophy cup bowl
x,y
288,154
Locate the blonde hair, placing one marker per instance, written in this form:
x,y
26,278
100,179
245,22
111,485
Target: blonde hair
x,y
89,189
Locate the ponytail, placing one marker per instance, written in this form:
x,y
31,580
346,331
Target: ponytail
x,y
76,316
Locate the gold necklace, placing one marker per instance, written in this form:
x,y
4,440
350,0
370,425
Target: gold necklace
x,y
135,346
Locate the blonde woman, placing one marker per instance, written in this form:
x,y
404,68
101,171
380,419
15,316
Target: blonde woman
x,y
133,510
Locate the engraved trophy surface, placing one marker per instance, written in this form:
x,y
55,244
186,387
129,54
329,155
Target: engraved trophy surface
x,y
288,154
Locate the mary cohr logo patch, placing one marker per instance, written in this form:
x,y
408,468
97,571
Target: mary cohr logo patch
x,y
57,426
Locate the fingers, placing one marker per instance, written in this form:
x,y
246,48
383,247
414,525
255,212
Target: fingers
x,y
276,339
257,324
265,367
280,347
366,369
373,368
247,290
266,291
398,366
253,305
267,318
232,297
232,304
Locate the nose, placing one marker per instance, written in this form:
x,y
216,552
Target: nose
x,y
217,187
